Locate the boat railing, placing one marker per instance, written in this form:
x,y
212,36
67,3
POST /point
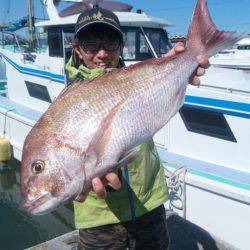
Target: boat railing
x,y
230,90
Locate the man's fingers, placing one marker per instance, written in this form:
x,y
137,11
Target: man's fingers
x,y
194,80
98,188
203,64
178,48
113,181
200,71
81,197
98,185
203,61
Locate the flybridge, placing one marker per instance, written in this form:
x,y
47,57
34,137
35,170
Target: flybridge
x,y
69,15
110,5
80,6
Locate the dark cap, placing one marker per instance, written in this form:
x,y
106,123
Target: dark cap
x,y
95,16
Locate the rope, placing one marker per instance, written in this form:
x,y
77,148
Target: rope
x,y
177,186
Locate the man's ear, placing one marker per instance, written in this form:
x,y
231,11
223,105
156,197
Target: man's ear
x,y
77,50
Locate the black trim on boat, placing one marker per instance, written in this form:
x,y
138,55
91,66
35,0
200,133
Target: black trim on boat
x,y
38,91
207,122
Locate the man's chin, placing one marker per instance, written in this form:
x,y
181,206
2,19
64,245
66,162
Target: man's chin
x,y
106,66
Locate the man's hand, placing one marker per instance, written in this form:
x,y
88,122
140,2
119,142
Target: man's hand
x,y
98,186
202,61
110,179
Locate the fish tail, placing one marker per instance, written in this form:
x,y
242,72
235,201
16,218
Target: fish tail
x,y
204,38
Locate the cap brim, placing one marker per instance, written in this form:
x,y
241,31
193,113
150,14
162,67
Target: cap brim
x,y
101,23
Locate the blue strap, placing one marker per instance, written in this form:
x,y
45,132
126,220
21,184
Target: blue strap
x,y
152,152
130,194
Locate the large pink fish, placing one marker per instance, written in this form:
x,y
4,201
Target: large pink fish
x,y
88,129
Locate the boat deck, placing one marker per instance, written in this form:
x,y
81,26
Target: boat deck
x,y
183,235
13,109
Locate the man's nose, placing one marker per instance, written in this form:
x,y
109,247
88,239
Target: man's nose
x,y
102,52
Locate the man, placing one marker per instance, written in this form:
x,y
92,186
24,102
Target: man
x,y
131,213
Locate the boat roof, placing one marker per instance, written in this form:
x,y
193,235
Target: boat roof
x,y
81,6
244,41
126,19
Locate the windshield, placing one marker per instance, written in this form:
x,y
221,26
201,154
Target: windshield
x,y
42,41
158,39
136,47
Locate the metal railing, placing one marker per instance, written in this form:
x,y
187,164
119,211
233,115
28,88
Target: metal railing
x,y
230,90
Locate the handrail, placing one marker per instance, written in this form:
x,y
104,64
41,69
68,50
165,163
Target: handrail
x,y
231,90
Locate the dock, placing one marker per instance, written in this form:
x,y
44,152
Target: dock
x,y
183,235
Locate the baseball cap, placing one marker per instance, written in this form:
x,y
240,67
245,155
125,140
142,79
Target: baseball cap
x,y
98,16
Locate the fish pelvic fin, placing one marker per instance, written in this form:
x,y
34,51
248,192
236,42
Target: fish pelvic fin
x,y
130,156
101,138
204,38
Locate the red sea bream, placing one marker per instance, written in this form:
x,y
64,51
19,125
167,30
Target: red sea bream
x,y
88,129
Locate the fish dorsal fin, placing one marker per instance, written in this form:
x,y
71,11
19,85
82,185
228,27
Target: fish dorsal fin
x,y
100,139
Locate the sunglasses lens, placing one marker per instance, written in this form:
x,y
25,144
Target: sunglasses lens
x,y
93,47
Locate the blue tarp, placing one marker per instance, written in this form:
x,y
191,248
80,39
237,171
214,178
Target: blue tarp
x,y
14,25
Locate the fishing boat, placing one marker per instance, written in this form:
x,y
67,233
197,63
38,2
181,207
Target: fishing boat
x,y
204,148
236,57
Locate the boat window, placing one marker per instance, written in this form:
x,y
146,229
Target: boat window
x,y
244,47
144,50
42,40
129,50
38,91
207,122
159,40
55,43
136,46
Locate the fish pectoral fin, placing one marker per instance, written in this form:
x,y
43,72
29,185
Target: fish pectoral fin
x,y
129,156
102,136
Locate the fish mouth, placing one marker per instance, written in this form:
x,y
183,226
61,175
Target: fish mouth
x,y
42,205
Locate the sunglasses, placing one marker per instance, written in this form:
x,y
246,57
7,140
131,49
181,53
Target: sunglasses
x,y
91,47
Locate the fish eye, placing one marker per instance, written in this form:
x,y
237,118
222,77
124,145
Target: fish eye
x,y
37,167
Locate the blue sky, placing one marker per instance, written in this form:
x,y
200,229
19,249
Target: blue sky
x,y
227,14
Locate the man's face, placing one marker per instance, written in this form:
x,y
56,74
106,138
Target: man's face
x,y
99,53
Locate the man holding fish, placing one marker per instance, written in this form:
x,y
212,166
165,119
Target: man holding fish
x,y
97,135
129,211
